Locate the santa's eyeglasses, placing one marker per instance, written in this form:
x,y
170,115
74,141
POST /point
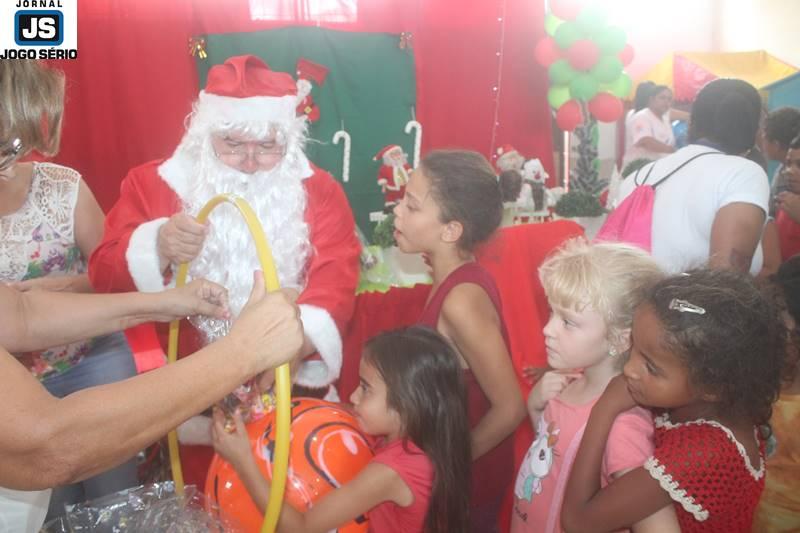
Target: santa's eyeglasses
x,y
9,152
260,152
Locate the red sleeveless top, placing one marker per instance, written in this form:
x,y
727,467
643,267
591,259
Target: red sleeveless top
x,y
416,470
492,473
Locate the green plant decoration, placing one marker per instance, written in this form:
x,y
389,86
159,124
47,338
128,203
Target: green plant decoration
x,y
579,204
383,235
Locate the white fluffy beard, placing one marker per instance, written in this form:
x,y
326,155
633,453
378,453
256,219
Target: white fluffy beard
x,y
510,161
229,255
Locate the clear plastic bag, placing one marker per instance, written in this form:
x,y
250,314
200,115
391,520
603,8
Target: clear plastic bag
x,y
154,508
247,399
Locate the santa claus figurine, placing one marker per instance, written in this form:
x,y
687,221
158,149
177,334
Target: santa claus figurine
x,y
308,71
393,175
508,159
244,138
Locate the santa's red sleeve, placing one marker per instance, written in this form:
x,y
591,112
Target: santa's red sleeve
x,y
327,302
127,259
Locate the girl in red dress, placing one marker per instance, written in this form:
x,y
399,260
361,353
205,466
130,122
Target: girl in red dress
x,y
412,396
708,350
451,205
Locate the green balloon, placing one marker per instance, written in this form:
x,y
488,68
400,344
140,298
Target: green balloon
x,y
611,40
561,73
566,34
583,87
620,87
607,69
557,95
551,24
591,19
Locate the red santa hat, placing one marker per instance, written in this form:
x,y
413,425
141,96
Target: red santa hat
x,y
508,158
244,89
505,150
388,148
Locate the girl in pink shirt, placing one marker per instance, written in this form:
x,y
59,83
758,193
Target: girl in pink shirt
x,y
592,290
411,395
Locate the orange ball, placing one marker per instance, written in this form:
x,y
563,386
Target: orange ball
x,y
326,450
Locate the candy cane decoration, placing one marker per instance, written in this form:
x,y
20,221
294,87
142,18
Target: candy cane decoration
x,y
341,134
413,124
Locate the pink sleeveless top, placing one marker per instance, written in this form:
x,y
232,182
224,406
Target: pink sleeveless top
x,y
492,473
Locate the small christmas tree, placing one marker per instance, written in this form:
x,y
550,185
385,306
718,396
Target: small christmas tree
x,y
584,174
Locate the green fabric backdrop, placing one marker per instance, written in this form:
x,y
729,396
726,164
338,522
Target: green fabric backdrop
x,y
370,87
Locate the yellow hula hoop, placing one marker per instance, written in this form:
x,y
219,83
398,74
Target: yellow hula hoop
x,y
282,378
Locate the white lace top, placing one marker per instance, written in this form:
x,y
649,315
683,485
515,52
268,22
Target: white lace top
x,y
39,240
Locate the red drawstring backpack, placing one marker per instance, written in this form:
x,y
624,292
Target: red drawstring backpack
x,y
632,221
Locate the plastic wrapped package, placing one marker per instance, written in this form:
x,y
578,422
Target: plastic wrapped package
x,y
248,400
154,508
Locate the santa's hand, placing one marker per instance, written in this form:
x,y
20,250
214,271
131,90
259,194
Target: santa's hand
x,y
268,327
199,297
180,239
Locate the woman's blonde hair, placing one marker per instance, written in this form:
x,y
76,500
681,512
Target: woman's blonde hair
x,y
611,278
32,97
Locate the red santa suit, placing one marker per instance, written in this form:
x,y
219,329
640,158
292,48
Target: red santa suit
x,y
127,259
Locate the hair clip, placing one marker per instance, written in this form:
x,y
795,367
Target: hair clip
x,y
685,307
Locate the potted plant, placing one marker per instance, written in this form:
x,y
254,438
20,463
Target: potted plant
x,y
383,235
383,265
584,208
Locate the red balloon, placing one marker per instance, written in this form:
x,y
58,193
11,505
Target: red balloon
x,y
327,449
583,54
569,115
547,51
606,107
565,9
626,56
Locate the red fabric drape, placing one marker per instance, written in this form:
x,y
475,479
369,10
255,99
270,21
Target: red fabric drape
x,y
376,313
129,90
134,81
689,78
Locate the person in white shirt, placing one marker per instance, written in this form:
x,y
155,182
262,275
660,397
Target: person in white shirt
x,y
712,210
640,100
650,131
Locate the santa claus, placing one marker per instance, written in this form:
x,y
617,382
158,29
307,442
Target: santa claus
x,y
393,174
243,137
508,158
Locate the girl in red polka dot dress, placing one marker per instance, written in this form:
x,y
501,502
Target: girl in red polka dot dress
x,y
707,353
